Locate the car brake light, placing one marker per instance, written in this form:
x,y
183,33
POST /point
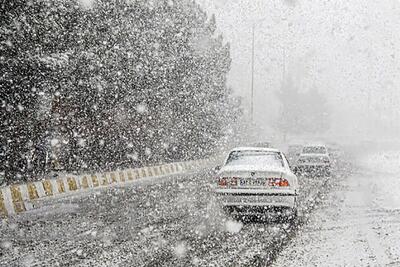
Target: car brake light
x,y
222,181
284,182
278,182
226,181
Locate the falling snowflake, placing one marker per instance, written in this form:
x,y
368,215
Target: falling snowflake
x,y
6,244
147,151
141,108
233,227
54,142
81,142
180,250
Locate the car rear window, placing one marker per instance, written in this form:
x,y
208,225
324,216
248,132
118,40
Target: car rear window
x,y
313,159
255,158
314,150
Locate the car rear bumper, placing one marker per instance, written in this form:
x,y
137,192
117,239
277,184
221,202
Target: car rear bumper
x,y
260,210
313,168
265,199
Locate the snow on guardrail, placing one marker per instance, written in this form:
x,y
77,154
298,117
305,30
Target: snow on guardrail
x,y
18,198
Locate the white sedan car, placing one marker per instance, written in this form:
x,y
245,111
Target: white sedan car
x,y
314,160
313,164
257,180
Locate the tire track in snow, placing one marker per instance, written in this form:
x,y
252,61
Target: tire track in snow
x,y
364,199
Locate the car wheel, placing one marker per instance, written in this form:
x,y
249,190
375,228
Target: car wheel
x,y
327,172
287,216
294,214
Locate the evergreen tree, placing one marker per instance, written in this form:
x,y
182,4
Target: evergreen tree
x,y
122,83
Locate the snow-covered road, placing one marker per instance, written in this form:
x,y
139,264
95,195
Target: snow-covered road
x,y
169,222
357,224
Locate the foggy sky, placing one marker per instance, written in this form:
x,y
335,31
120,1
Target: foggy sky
x,y
346,49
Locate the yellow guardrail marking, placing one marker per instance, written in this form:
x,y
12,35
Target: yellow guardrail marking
x,y
16,196
137,174
95,181
122,176
48,188
85,183
159,170
3,210
12,197
32,192
167,170
113,178
130,176
60,185
72,184
104,180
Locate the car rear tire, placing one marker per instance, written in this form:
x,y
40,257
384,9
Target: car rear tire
x,y
293,216
327,172
288,216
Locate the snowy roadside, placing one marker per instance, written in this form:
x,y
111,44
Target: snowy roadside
x,y
357,224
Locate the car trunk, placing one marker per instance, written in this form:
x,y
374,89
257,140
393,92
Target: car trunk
x,y
251,178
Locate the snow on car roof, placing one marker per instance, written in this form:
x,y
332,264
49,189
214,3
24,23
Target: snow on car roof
x,y
312,155
266,149
315,145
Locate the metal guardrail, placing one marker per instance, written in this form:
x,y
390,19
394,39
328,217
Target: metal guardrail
x,y
15,199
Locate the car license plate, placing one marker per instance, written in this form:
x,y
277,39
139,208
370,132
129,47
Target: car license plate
x,y
252,182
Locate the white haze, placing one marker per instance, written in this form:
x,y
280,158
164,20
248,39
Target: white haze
x,y
346,49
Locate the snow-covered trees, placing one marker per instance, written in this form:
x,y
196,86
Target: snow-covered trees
x,y
119,83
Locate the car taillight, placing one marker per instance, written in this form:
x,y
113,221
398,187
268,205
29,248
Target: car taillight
x,y
223,181
278,182
227,181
